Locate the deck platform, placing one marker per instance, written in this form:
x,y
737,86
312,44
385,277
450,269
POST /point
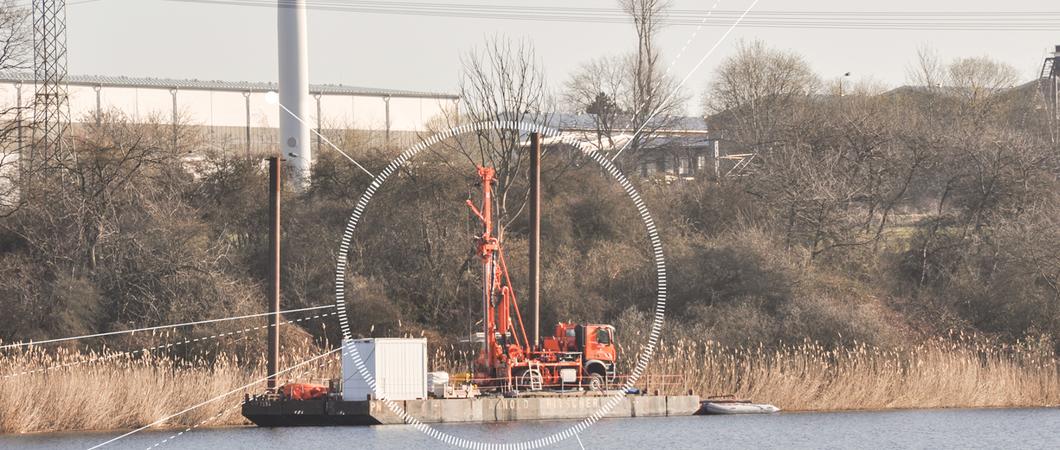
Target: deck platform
x,y
331,412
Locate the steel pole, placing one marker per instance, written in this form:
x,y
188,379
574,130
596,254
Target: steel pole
x,y
18,116
99,104
320,126
176,119
386,100
717,161
246,101
535,233
274,269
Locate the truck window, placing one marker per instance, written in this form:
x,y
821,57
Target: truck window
x,y
603,336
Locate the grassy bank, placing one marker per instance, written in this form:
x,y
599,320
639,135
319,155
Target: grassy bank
x,y
96,391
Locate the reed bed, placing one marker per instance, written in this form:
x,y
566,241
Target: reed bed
x,y
62,390
953,372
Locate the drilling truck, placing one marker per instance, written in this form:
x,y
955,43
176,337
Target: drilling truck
x,y
575,356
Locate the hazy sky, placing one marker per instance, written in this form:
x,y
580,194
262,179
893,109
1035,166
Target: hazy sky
x,y
186,40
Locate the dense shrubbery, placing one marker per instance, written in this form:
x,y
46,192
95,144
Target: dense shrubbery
x,y
868,217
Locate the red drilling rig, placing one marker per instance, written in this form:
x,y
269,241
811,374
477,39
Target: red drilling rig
x,y
576,355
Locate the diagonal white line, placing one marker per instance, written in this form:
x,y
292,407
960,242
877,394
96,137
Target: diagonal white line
x,y
335,147
579,438
680,53
112,333
685,79
186,430
206,402
161,346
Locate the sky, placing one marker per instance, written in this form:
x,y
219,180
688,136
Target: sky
x,y
162,38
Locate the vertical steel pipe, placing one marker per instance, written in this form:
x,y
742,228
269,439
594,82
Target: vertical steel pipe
x,y
535,233
176,119
246,101
274,269
18,115
320,122
386,101
99,104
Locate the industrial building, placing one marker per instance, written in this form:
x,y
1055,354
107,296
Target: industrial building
x,y
674,148
235,116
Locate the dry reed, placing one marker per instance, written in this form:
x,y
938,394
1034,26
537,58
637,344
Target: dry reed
x,y
116,390
955,372
62,390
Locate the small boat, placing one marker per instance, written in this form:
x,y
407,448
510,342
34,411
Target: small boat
x,y
734,406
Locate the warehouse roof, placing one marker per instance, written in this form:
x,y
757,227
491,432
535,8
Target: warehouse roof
x,y
216,85
660,125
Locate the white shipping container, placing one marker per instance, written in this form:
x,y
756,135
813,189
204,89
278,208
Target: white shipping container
x,y
399,367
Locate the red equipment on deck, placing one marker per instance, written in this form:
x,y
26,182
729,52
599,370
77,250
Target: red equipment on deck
x,y
574,355
303,391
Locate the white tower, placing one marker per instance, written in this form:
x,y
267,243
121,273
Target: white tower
x,y
294,88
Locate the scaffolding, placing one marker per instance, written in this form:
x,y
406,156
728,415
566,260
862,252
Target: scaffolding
x,y
1049,87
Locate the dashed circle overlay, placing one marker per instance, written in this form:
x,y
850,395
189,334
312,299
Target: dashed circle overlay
x,y
610,168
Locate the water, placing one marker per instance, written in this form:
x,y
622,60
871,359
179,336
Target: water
x,y
990,428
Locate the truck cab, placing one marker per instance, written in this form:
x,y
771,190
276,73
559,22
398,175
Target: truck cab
x,y
592,344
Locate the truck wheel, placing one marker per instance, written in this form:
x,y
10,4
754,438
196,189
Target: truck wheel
x,y
596,382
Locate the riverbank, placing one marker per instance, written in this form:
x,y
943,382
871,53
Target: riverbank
x,y
69,391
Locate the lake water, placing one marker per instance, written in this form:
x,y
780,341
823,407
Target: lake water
x,y
987,428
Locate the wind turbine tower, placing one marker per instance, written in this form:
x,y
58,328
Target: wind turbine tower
x,y
294,88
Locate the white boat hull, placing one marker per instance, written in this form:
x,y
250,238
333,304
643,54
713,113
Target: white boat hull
x,y
737,408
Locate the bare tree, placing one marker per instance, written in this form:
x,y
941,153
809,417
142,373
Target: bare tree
x,y
756,92
928,70
655,97
111,155
503,81
14,119
973,80
599,87
980,77
838,179
833,169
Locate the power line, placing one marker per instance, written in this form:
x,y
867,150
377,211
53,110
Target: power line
x,y
863,20
620,12
112,333
104,357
